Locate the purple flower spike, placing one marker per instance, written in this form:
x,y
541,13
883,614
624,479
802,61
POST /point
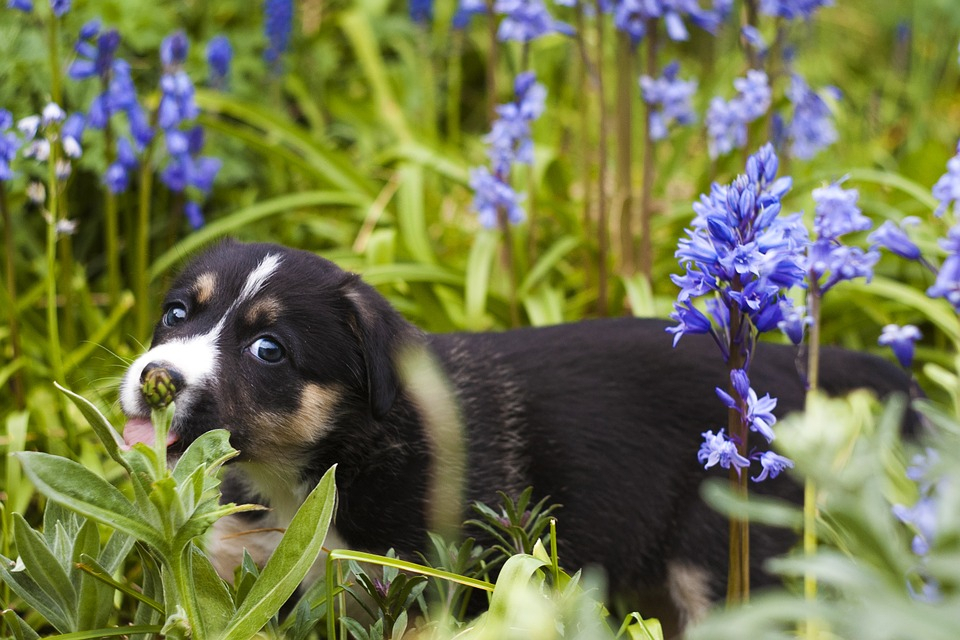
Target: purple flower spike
x,y
20,5
901,340
673,97
837,212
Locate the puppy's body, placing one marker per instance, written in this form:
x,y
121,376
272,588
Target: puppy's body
x,y
298,360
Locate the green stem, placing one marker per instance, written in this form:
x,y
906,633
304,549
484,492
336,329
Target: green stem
x,y
454,88
625,93
492,60
738,578
811,630
56,94
142,249
53,323
645,248
603,232
111,224
16,381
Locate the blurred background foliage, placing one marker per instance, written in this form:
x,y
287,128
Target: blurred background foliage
x,y
358,146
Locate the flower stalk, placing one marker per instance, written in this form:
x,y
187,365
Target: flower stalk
x,y
16,380
645,248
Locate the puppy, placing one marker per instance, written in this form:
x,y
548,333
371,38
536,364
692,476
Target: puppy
x,y
304,365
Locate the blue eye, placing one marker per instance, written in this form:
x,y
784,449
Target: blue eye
x,y
174,315
267,349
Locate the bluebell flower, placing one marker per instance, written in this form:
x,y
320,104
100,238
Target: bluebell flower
x,y
744,255
837,212
526,20
718,449
829,261
756,412
71,135
773,465
9,144
173,49
792,9
811,129
20,5
630,16
278,25
901,340
466,10
492,195
96,58
754,38
922,516
421,11
60,7
193,214
727,121
219,56
947,284
894,238
673,96
947,188
794,321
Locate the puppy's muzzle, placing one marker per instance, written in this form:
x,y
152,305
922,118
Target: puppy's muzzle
x,y
160,383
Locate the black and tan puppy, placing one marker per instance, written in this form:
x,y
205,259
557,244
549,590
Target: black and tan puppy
x,y
299,361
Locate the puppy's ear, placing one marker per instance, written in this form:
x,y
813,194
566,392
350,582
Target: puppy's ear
x,y
382,333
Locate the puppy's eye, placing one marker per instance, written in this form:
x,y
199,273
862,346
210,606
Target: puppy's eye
x,y
174,315
267,349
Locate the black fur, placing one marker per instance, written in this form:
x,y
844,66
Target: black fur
x,y
603,416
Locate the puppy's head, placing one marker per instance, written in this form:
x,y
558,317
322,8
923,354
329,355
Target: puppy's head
x,y
271,344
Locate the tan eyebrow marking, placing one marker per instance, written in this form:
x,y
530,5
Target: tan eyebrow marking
x,y
264,311
204,287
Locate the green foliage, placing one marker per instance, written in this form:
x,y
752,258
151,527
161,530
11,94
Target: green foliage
x,y
361,151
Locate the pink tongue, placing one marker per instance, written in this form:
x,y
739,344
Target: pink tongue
x,y
141,430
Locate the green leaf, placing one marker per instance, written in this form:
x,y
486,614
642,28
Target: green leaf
x,y
412,214
20,629
241,218
110,632
293,557
93,569
550,258
637,628
211,450
19,580
111,439
45,568
517,573
79,489
479,263
214,598
760,509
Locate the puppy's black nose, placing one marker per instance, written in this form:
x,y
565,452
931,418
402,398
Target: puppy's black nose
x,y
160,383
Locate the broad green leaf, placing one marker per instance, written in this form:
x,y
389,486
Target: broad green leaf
x,y
45,568
412,214
213,597
637,628
20,582
94,598
211,449
760,509
20,629
79,489
293,557
411,272
517,572
18,491
111,439
479,263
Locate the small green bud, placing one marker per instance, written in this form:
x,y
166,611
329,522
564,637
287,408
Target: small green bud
x,y
158,388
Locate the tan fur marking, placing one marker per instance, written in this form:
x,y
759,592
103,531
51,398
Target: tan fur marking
x,y
264,311
286,434
205,287
689,588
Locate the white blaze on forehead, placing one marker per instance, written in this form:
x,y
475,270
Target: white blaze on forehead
x,y
195,358
258,277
